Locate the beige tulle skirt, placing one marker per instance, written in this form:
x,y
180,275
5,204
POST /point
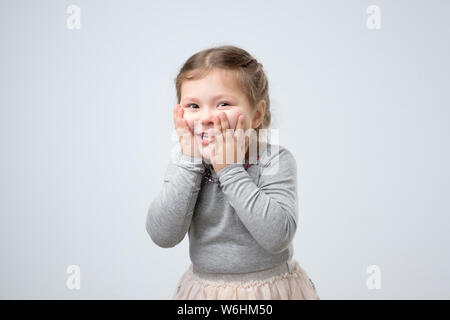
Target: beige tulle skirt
x,y
291,285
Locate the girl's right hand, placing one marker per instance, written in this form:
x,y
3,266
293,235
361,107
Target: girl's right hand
x,y
186,137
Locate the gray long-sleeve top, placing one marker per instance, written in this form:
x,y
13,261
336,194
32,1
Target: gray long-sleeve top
x,y
245,223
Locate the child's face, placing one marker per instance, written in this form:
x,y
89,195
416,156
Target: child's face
x,y
200,105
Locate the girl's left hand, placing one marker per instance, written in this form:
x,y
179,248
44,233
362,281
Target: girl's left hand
x,y
228,146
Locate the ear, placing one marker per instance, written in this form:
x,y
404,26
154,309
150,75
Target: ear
x,y
259,114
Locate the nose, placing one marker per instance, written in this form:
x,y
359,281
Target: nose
x,y
204,121
206,118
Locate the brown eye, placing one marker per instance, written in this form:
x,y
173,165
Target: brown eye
x,y
193,104
225,103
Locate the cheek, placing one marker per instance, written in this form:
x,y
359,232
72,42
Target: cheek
x,y
233,118
190,120
233,123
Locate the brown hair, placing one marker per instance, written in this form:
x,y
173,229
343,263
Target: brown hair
x,y
248,73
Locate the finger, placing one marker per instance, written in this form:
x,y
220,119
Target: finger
x,y
179,116
175,110
181,113
218,128
175,115
239,145
218,140
224,121
183,122
240,122
226,128
239,130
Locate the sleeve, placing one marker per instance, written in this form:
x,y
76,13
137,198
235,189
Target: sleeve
x,y
269,210
170,213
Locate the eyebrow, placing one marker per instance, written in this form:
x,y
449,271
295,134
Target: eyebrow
x,y
216,97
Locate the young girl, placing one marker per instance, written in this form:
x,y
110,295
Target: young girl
x,y
241,214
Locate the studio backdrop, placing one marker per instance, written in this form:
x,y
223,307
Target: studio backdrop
x,y
359,94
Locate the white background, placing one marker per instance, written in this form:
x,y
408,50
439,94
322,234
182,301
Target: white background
x,y
86,124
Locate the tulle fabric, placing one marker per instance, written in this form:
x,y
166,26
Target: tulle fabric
x,y
294,285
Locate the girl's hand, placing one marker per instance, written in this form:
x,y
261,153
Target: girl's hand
x,y
186,137
228,146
